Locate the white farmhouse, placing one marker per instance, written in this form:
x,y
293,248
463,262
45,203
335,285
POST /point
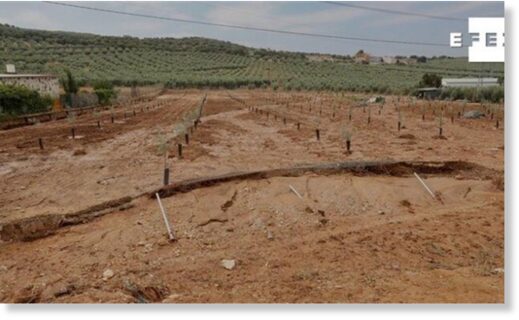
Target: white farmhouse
x,y
469,82
45,84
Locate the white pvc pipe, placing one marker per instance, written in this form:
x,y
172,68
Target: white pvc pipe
x,y
425,186
166,221
295,191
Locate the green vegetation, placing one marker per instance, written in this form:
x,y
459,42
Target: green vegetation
x,y
70,86
491,94
17,100
430,80
104,91
205,63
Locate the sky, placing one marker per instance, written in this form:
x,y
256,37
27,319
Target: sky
x,y
301,16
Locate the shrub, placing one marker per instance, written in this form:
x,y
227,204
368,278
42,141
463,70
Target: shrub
x,y
104,91
16,100
493,94
431,80
70,86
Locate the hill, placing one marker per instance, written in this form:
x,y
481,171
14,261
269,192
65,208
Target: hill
x,y
201,62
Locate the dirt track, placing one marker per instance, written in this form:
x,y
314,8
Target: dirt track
x,y
352,239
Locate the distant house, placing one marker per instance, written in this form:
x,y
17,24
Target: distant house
x,y
469,82
361,57
389,60
45,84
375,60
408,61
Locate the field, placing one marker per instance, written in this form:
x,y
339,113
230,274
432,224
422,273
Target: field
x,y
200,63
266,202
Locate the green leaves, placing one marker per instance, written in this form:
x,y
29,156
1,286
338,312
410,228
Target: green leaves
x,y
206,63
104,91
16,100
69,83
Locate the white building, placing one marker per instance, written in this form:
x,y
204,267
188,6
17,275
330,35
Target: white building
x,y
375,60
389,60
45,84
469,82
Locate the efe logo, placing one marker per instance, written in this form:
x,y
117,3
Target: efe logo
x,y
488,39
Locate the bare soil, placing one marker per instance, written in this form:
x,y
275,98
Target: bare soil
x,y
352,238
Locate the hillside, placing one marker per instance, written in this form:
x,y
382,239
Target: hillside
x,y
198,62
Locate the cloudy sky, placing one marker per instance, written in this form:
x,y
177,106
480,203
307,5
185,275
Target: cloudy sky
x,y
309,17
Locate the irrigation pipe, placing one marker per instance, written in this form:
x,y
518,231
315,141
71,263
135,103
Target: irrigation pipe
x,y
166,221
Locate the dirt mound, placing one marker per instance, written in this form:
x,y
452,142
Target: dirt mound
x,y
407,136
43,225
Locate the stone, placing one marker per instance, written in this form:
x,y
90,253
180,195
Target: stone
x,y
498,270
64,291
228,264
473,114
107,274
172,298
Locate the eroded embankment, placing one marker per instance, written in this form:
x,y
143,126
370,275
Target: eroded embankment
x,y
40,226
390,168
31,228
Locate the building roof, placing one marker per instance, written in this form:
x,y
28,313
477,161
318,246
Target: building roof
x,y
16,75
477,80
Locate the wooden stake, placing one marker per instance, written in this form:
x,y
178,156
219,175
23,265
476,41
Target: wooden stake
x,y
40,142
166,176
180,150
166,221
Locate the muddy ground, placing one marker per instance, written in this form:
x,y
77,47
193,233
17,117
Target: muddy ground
x,y
351,238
